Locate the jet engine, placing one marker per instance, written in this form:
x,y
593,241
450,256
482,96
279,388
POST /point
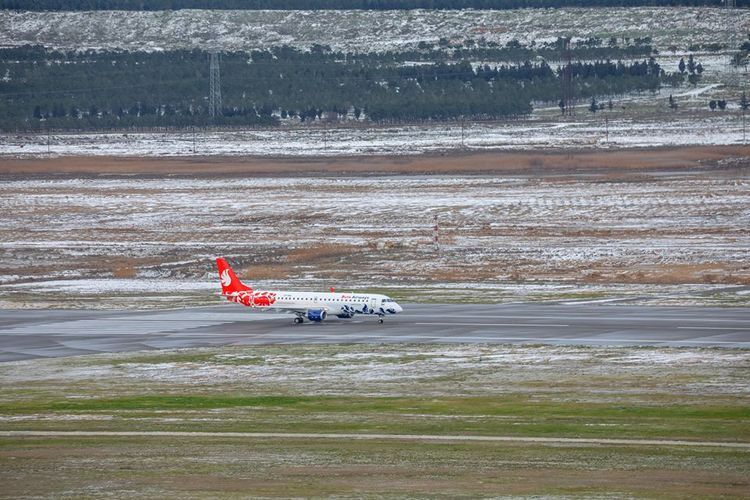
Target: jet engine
x,y
316,315
346,312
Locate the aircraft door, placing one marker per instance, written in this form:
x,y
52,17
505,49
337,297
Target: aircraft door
x,y
373,304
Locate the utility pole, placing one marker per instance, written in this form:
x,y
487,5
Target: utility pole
x,y
463,131
606,127
744,104
566,78
214,80
436,234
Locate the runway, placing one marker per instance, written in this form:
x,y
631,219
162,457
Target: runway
x,y
27,334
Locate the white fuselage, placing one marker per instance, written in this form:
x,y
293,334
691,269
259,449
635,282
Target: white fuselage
x,y
343,305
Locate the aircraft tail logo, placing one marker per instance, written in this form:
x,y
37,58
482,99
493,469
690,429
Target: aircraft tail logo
x,y
230,283
226,280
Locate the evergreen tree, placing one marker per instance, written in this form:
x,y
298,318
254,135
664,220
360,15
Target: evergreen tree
x,y
712,104
672,102
681,65
593,107
722,104
285,80
740,59
744,102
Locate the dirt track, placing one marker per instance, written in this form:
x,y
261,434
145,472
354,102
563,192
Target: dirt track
x,y
381,437
500,162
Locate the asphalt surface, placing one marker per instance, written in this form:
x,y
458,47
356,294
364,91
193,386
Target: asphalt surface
x,y
26,334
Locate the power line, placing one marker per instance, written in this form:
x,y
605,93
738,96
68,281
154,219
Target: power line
x,y
214,94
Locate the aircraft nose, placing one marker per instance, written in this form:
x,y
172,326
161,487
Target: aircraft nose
x,y
398,308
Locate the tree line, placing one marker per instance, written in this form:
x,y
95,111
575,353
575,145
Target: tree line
x,y
84,90
513,50
340,4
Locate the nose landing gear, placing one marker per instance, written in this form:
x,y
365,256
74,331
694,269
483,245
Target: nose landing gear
x,y
380,320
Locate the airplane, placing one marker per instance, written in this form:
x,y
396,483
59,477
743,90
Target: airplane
x,y
313,306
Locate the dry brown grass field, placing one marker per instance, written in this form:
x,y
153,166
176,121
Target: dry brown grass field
x,y
667,224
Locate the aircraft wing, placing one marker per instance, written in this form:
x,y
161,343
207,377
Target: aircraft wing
x,y
293,310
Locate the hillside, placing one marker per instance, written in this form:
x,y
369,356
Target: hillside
x,y
338,4
364,31
140,71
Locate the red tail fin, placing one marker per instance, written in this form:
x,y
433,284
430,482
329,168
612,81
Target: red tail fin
x,y
230,283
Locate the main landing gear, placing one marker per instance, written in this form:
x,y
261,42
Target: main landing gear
x,y
380,320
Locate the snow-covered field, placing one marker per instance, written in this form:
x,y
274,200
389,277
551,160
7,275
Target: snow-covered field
x,y
683,239
405,370
364,30
585,132
133,242
639,120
